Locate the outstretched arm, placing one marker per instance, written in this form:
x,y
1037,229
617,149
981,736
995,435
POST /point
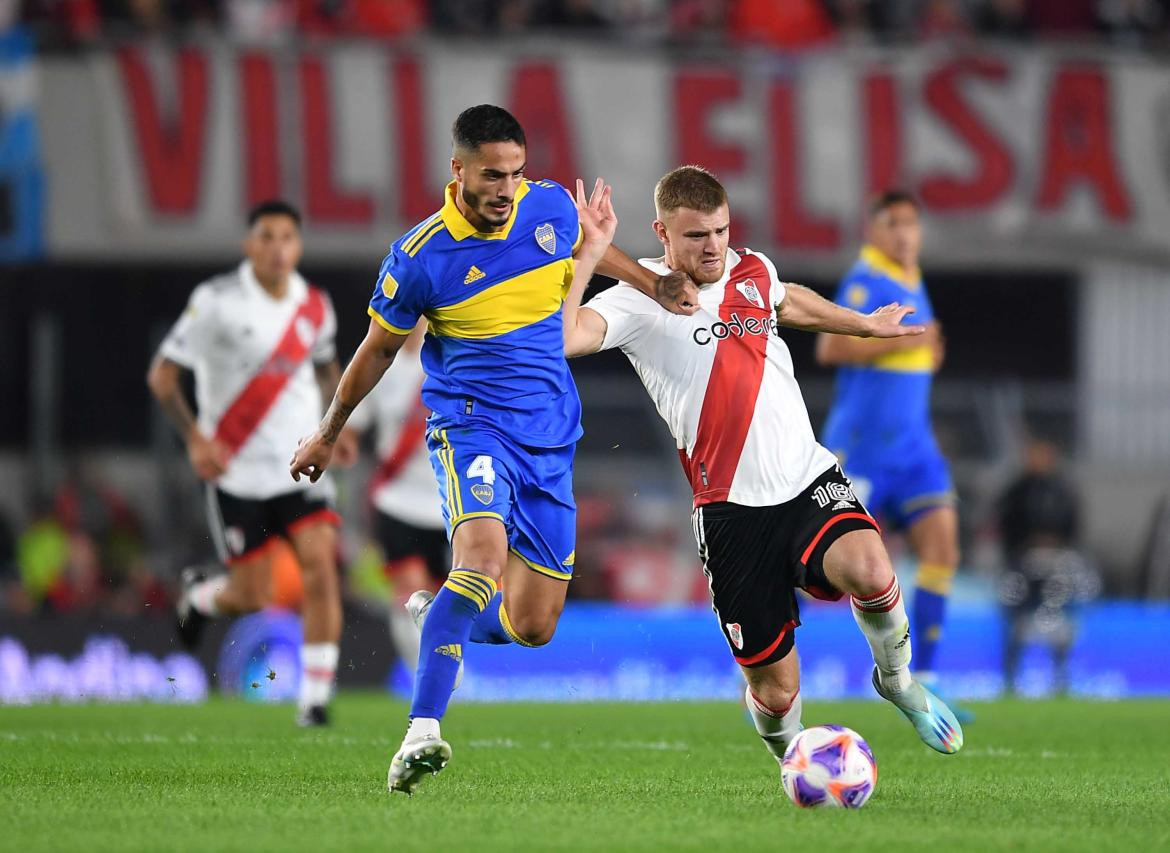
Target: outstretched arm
x,y
585,328
801,308
373,356
674,292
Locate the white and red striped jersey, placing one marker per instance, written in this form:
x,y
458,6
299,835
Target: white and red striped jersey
x,y
722,380
403,483
253,357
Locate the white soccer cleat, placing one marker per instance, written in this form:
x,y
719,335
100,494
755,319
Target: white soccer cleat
x,y
418,606
416,759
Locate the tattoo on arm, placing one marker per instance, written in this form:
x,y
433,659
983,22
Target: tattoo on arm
x,y
334,420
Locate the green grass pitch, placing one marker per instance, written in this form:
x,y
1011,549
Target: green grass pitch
x,y
1057,775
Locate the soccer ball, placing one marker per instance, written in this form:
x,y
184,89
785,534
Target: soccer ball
x,y
828,766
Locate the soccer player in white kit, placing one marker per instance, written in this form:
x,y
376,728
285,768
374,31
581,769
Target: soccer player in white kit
x,y
407,515
260,341
772,511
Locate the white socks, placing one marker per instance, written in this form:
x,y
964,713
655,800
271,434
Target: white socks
x,y
318,667
882,618
421,727
777,727
203,594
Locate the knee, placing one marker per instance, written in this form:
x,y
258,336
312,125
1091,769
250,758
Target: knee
x,y
775,692
870,572
487,561
531,629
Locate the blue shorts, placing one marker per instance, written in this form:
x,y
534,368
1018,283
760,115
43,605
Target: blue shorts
x,y
902,492
482,474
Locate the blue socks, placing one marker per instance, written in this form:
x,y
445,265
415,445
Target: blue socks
x,y
489,625
930,607
448,626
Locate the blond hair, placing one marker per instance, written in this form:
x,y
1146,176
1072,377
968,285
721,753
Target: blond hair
x,y
692,187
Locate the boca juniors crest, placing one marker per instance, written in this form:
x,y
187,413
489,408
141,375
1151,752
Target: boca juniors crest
x,y
483,493
546,238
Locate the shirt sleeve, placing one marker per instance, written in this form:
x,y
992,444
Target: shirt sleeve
x,y
325,347
777,289
401,293
627,312
190,337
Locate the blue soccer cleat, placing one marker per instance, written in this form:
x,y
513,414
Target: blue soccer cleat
x,y
932,719
963,715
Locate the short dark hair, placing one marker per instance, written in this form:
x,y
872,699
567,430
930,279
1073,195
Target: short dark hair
x,y
888,198
486,123
692,187
273,207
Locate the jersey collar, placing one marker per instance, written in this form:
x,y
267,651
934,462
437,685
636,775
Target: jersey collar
x,y
877,259
460,229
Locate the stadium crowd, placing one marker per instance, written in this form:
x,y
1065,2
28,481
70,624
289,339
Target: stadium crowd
x,y
784,24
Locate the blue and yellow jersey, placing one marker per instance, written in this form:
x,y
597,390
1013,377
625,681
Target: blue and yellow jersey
x,y
882,407
494,355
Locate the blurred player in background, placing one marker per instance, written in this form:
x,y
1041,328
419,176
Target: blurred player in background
x,y
490,271
407,519
260,341
879,424
773,511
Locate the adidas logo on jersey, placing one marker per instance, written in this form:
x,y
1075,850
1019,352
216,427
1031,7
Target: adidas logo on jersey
x,y
451,650
842,505
473,275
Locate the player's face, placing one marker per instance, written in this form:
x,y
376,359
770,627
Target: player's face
x,y
696,242
487,179
273,247
897,232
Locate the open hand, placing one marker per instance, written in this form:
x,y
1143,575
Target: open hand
x,y
597,217
886,322
312,458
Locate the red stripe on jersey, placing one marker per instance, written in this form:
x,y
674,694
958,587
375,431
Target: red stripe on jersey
x,y
414,430
732,390
246,412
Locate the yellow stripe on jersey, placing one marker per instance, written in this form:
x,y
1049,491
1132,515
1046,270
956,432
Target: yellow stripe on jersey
x,y
427,224
430,232
580,238
542,570
914,360
512,304
447,456
382,322
461,229
887,266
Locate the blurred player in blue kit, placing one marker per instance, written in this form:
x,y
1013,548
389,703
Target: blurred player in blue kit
x,y
879,424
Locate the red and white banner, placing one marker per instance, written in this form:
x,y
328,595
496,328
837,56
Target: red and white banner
x,y
1037,156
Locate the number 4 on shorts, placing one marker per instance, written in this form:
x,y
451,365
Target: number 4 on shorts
x,y
481,466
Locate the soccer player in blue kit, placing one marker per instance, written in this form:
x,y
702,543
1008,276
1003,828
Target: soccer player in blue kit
x,y
490,271
879,423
